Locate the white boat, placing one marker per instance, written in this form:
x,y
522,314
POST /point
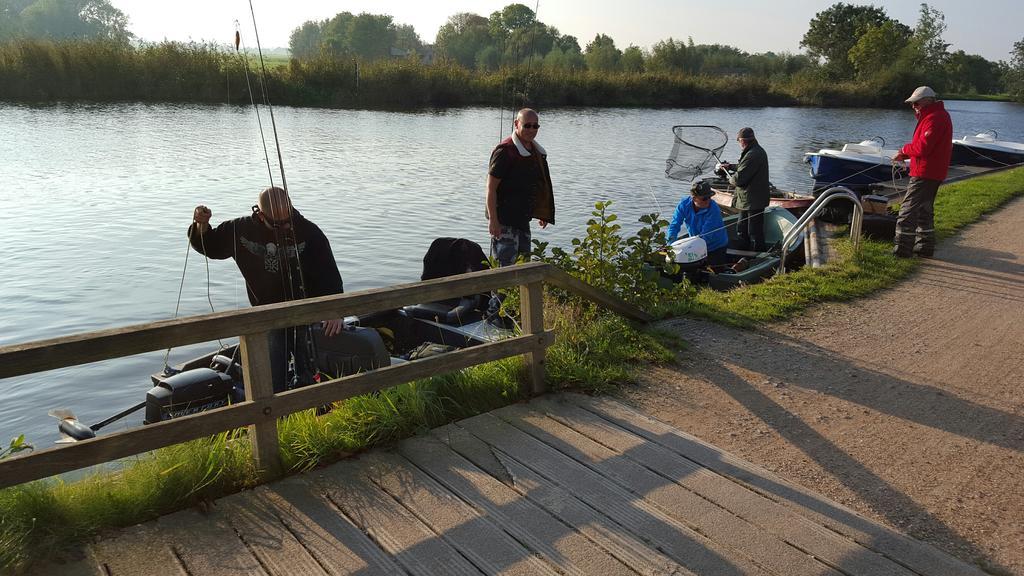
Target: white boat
x,y
986,149
854,165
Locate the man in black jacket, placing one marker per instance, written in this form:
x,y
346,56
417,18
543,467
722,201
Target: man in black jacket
x,y
752,190
518,190
282,256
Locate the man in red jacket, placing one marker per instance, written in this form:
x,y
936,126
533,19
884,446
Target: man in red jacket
x,y
929,154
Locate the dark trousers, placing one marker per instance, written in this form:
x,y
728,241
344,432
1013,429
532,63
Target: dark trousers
x,y
288,348
915,226
750,230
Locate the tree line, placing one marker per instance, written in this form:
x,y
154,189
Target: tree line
x,y
843,43
854,56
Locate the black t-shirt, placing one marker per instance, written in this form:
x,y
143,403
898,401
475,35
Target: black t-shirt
x,y
265,257
521,180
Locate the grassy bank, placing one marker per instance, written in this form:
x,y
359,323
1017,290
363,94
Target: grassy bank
x,y
44,71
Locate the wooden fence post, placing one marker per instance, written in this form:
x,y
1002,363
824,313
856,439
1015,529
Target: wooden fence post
x,y
259,385
531,309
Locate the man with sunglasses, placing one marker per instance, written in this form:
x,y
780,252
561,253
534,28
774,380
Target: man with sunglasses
x,y
282,256
518,190
929,153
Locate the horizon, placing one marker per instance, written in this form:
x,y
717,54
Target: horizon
x,y
983,32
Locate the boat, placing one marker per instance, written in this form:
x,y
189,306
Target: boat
x,y
855,166
743,266
795,202
367,342
986,149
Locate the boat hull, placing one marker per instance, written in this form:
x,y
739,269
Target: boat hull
x,y
968,155
828,171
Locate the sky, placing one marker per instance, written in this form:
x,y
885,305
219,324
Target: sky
x,y
984,27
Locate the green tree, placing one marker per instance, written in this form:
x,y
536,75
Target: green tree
x,y
63,19
407,39
305,41
669,56
1015,73
878,48
335,34
371,36
602,55
970,73
837,29
462,38
927,51
633,59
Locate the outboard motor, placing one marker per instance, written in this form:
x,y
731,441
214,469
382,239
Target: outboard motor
x,y
689,253
190,392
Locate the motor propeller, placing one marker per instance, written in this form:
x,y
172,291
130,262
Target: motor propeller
x,y
72,430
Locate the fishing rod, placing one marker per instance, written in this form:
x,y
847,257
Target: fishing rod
x,y
311,351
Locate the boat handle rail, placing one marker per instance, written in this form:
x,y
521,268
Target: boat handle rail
x,y
826,198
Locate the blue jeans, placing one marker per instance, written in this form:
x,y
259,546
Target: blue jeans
x,y
512,243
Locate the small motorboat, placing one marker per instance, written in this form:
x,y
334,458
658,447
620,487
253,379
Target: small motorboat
x,y
795,202
986,149
855,166
366,343
743,266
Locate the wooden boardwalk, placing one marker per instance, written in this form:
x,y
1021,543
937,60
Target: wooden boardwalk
x,y
563,485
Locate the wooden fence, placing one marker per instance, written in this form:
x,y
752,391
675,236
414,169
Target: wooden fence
x,y
262,407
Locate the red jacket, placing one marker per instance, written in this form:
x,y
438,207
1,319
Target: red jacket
x,y
932,145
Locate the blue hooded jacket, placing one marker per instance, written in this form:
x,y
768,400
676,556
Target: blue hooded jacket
x,y
706,223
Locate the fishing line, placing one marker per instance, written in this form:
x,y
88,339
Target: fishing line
x,y
310,343
244,56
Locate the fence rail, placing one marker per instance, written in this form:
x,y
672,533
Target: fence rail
x,y
262,406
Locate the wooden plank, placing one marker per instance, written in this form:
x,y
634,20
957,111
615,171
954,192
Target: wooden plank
x,y
255,520
917,556
531,309
137,551
700,514
562,279
42,355
331,538
766,514
67,457
563,542
259,385
476,537
206,544
687,547
413,545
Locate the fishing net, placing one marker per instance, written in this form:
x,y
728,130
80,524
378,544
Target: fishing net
x,y
693,150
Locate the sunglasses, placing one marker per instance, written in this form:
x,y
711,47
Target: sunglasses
x,y
275,224
533,126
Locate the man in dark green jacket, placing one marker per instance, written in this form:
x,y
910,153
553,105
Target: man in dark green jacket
x,y
752,195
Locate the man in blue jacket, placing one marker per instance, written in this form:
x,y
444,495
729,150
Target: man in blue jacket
x,y
703,218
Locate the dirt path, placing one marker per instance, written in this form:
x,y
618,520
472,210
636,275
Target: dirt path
x,y
907,406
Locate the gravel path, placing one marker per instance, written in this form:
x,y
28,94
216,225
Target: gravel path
x,y
907,406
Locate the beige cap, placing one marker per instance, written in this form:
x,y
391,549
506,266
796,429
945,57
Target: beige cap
x,y
920,92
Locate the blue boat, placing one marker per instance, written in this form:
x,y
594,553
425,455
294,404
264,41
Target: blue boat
x,y
855,166
986,149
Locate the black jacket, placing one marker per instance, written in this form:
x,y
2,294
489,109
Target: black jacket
x,y
270,260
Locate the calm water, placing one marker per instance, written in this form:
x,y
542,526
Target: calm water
x,y
96,200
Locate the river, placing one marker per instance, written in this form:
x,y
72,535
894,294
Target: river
x,y
96,200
